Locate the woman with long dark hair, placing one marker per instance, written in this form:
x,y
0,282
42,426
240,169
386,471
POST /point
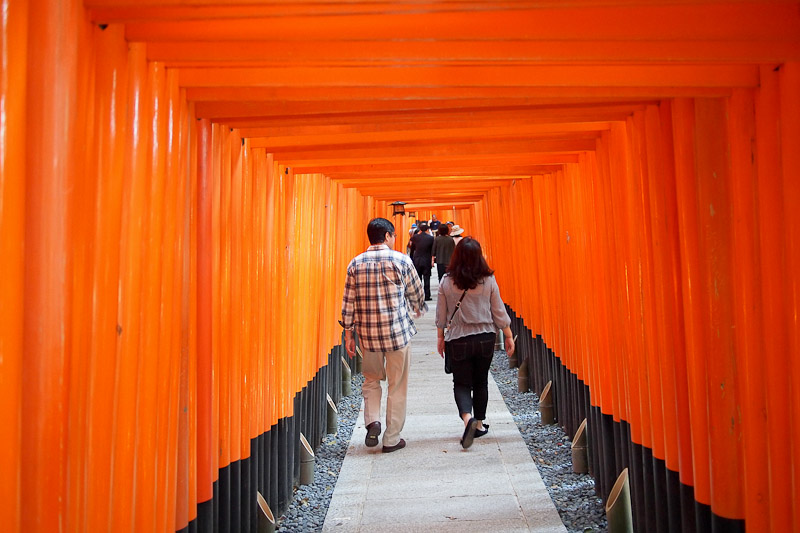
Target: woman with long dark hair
x,y
468,313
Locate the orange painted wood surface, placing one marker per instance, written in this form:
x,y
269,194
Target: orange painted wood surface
x,y
50,178
13,75
183,184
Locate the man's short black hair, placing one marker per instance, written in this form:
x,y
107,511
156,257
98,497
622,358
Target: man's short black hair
x,y
377,229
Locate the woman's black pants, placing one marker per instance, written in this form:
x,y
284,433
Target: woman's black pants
x,y
471,357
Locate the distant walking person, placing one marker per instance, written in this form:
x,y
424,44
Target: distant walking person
x,y
456,233
422,255
443,246
411,232
382,286
468,312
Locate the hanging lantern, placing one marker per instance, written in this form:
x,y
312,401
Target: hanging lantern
x,y
398,209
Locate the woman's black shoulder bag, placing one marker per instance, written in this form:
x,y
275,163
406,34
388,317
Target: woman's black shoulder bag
x,y
447,368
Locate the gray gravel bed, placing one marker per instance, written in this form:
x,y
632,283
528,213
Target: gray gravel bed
x,y
551,449
310,503
573,494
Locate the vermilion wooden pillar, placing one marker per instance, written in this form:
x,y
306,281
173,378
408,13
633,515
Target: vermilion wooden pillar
x,y
790,159
774,334
205,470
13,75
134,193
747,309
51,168
101,327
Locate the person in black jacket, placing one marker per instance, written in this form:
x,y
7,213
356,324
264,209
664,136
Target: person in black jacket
x,y
443,246
421,254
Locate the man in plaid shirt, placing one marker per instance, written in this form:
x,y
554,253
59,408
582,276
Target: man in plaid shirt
x,y
382,287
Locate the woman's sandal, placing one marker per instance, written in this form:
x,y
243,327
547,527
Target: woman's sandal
x,y
482,432
469,433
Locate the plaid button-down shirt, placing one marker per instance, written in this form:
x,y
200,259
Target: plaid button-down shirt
x,y
382,287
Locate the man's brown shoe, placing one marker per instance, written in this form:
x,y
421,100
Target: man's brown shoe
x,y
373,430
399,446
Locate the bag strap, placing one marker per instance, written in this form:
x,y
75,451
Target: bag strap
x,y
458,304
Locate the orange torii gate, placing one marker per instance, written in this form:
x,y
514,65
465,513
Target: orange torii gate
x,y
183,183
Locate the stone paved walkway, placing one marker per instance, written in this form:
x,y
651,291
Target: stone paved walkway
x,y
433,484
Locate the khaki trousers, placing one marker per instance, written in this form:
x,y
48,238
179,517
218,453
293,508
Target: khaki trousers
x,y
392,367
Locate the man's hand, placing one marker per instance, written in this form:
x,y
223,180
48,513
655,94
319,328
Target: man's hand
x,y
350,345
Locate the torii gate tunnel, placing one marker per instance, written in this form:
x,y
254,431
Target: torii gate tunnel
x,y
182,184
